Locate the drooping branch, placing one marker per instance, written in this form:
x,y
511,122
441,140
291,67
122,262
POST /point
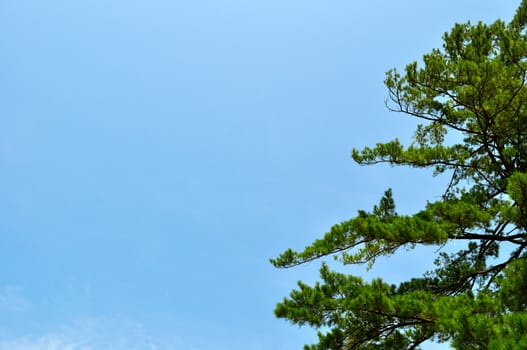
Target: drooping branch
x,y
474,89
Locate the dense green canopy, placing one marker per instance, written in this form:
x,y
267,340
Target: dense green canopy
x,y
476,298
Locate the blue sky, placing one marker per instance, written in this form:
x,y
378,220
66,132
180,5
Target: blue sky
x,y
155,154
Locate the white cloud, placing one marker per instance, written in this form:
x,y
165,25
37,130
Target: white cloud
x,y
121,333
47,342
92,333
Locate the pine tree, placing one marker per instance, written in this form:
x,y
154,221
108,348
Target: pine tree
x,y
475,298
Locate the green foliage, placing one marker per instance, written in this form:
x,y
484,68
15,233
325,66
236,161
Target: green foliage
x,y
476,298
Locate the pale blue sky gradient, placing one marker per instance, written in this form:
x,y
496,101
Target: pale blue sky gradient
x,y
155,154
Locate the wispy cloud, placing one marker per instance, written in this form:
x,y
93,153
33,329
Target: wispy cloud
x,y
92,333
121,333
108,332
116,333
47,342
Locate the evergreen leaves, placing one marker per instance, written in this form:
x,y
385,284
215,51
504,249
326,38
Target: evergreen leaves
x,y
472,88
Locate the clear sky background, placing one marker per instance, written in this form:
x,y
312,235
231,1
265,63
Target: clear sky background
x,y
155,154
